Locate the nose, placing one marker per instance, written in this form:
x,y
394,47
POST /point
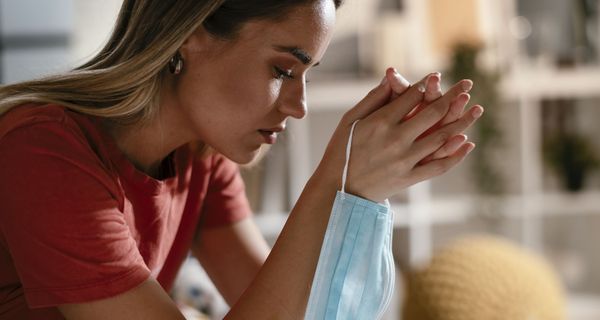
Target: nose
x,y
294,101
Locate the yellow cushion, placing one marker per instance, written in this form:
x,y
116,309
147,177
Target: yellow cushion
x,y
481,278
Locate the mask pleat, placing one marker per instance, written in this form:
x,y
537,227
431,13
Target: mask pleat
x,y
354,286
349,242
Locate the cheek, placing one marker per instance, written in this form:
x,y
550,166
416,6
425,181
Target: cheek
x,y
274,90
234,95
255,96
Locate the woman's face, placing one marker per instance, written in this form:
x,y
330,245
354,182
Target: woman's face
x,y
236,94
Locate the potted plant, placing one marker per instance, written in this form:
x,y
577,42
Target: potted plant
x,y
572,156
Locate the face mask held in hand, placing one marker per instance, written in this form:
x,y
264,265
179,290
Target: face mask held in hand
x,y
355,274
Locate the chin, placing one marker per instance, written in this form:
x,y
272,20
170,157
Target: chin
x,y
245,158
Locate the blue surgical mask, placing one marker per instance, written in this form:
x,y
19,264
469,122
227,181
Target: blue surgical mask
x,y
355,274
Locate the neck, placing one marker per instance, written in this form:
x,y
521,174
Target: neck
x,y
143,145
147,144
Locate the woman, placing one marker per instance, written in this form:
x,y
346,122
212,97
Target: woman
x,y
106,181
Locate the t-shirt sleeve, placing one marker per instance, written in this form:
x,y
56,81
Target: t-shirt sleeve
x,y
226,201
60,218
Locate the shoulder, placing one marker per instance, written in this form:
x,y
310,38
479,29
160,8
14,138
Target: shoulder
x,y
54,119
49,140
30,114
51,124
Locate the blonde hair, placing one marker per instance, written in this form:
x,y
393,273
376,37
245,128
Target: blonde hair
x,y
123,80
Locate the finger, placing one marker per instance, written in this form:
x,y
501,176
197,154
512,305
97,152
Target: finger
x,y
374,100
398,83
433,113
433,88
438,167
433,92
450,147
431,143
414,111
455,111
401,106
457,108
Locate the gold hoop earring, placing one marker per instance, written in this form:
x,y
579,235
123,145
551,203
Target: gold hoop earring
x,y
176,63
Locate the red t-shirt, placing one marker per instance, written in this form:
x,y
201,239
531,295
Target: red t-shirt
x,y
78,222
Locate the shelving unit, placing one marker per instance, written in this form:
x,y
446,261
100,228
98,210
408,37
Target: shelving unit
x,y
526,85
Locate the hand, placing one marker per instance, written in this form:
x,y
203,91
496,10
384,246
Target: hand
x,y
432,91
388,146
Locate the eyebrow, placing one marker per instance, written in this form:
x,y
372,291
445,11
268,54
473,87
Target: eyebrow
x,y
298,53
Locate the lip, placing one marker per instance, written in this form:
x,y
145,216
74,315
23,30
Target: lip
x,y
270,134
270,137
274,129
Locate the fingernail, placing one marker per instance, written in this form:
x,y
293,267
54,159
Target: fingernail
x,y
435,76
477,113
467,85
457,143
402,80
421,87
471,147
433,82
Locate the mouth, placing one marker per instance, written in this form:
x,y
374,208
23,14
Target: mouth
x,y
279,128
269,136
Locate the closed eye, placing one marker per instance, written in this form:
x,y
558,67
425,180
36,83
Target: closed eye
x,y
283,74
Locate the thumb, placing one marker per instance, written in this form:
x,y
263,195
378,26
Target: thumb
x,y
397,82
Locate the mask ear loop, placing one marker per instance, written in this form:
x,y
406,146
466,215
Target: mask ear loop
x,y
348,148
345,172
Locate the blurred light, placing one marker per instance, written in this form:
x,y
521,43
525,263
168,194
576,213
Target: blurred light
x,y
520,27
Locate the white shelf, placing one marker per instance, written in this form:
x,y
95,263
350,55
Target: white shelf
x,y
523,82
339,95
456,209
549,83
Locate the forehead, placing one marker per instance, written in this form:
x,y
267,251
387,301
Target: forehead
x,y
308,27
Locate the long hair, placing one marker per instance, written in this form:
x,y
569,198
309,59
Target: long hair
x,y
123,80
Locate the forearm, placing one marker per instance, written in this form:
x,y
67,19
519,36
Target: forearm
x,y
386,159
232,255
282,287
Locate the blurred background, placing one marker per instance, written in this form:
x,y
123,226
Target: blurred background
x,y
533,179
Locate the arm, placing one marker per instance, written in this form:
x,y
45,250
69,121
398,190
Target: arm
x,y
282,286
387,161
232,256
71,251
148,301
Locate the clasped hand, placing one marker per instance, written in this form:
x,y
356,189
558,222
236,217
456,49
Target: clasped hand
x,y
406,134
